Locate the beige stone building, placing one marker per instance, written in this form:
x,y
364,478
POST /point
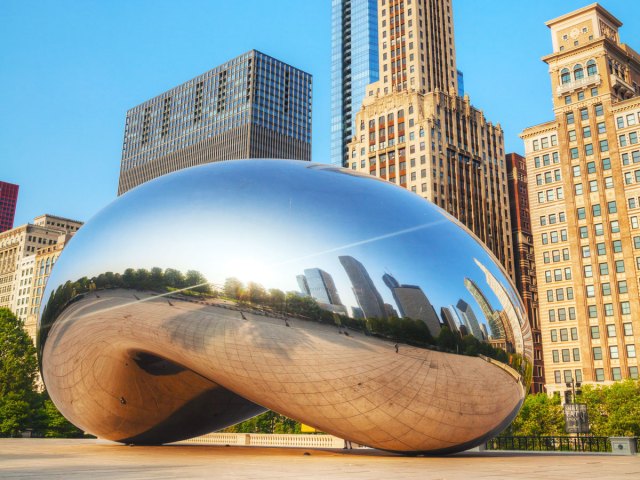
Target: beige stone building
x,y
16,268
584,188
415,131
44,260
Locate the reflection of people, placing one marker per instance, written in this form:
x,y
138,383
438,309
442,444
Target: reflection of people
x,y
396,346
347,444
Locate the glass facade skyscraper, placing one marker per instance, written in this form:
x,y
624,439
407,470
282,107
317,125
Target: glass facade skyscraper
x,y
252,106
354,64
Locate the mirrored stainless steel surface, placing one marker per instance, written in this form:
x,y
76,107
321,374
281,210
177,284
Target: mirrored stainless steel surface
x,y
205,296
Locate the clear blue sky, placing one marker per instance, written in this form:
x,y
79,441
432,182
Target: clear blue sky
x,y
69,70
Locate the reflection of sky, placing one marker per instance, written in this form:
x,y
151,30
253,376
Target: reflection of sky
x,y
267,221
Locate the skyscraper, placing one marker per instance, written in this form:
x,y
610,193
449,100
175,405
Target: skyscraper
x,y
321,286
413,303
470,320
253,106
415,131
524,264
354,64
8,202
585,203
366,293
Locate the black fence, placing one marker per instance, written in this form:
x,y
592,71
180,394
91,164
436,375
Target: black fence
x,y
551,444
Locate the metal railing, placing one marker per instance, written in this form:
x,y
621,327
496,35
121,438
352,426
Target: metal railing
x,y
551,444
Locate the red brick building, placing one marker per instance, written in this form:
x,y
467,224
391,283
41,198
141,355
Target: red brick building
x,y
8,201
524,265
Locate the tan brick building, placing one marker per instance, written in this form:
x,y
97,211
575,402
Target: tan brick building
x,y
584,182
18,248
415,131
43,261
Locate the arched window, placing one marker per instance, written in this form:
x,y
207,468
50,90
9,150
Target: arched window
x,y
592,69
578,73
565,76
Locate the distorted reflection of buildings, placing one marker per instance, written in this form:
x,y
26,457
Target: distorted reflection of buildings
x,y
320,286
367,296
303,285
452,320
469,319
497,331
413,303
390,311
516,330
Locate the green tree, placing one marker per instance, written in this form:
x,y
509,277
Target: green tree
x,y
257,293
267,422
18,366
614,410
54,425
174,278
233,288
276,299
447,339
197,282
540,415
18,370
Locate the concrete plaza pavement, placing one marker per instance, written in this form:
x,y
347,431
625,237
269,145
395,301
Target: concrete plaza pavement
x,y
96,459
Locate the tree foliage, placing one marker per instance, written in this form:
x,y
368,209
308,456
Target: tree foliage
x,y
540,415
614,410
22,407
267,422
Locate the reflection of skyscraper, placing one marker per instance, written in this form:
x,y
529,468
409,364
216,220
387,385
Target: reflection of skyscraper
x,y
413,303
390,311
449,318
365,291
513,319
321,286
303,285
492,317
469,318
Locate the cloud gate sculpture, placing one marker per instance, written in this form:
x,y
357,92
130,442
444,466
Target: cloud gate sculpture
x,y
207,296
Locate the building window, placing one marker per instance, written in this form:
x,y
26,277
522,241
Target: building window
x,y
565,76
625,308
615,373
598,108
584,114
595,332
631,351
627,329
597,353
599,374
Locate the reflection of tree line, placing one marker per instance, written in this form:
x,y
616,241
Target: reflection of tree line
x,y
190,283
404,330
